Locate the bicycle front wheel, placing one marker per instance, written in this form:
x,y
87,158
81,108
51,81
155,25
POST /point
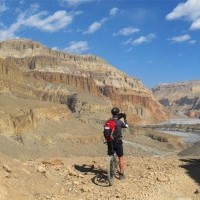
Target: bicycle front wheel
x,y
111,170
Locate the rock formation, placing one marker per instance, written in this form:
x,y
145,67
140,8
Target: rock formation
x,y
87,84
182,98
49,101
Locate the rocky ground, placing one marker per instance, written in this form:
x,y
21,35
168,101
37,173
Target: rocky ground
x,y
55,151
190,128
50,154
148,178
72,165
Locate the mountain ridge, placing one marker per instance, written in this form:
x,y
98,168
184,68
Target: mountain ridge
x,y
51,135
182,98
46,66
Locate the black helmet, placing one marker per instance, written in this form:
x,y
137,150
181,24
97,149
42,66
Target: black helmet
x,y
115,111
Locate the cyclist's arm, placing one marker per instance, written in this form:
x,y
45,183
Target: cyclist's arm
x,y
124,124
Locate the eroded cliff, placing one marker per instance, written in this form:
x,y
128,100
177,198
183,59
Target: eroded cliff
x,y
182,98
86,83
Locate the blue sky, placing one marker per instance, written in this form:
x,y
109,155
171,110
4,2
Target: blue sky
x,y
156,41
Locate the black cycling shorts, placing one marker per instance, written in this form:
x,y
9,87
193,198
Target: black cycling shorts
x,y
117,146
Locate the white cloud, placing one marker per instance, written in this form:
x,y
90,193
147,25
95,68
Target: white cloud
x,y
114,11
21,2
127,31
10,32
98,24
3,6
34,8
143,39
73,3
51,23
77,47
128,41
181,38
2,25
42,21
95,26
190,10
192,42
195,25
55,48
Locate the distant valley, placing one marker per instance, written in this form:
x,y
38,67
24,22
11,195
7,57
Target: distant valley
x,y
52,109
87,84
182,99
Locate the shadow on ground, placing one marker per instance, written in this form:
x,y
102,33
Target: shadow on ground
x,y
192,167
100,175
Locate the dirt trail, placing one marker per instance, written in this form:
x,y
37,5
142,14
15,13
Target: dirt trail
x,y
148,178
151,150
57,161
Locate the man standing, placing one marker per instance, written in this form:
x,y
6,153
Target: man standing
x,y
117,143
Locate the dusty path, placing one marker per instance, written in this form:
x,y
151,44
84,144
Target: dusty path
x,y
145,148
148,178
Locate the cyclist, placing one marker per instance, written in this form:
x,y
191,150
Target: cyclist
x,y
117,144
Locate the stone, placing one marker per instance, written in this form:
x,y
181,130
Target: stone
x,y
76,183
197,191
41,169
84,189
7,168
162,178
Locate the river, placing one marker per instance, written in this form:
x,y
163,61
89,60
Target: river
x,y
189,138
181,121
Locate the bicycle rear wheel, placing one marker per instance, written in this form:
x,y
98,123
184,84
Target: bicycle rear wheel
x,y
111,170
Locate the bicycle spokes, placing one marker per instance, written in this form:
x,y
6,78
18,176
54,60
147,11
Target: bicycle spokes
x,y
112,169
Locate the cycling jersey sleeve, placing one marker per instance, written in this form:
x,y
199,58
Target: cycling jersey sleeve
x,y
124,124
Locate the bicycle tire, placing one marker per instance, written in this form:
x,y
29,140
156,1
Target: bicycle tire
x,y
111,170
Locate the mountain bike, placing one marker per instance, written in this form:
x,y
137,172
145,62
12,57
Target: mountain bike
x,y
112,167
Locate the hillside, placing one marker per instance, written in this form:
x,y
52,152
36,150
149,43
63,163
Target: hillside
x,y
181,98
61,77
52,109
85,178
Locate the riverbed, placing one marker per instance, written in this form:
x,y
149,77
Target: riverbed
x,y
189,138
181,121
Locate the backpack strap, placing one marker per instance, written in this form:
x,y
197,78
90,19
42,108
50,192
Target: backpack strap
x,y
115,133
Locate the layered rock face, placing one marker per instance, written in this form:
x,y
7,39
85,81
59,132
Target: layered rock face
x,y
87,84
182,98
20,107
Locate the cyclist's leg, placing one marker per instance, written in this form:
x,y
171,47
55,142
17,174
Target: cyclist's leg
x,y
118,147
121,165
110,148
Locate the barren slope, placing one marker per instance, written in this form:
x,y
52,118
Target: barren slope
x,y
148,178
86,73
182,98
52,108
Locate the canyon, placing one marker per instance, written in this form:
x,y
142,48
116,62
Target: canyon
x,y
52,109
181,98
86,84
